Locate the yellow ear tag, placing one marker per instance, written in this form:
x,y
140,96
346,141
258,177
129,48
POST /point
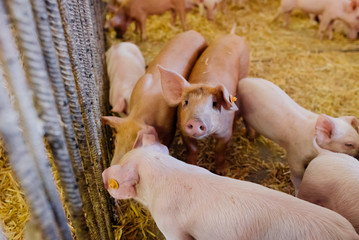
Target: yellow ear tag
x,y
233,99
113,184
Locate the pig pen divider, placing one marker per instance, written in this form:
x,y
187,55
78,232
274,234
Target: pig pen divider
x,y
54,50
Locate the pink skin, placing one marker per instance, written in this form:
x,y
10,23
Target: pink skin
x,y
331,180
117,21
139,10
211,7
189,202
352,34
330,10
271,112
125,65
204,102
147,106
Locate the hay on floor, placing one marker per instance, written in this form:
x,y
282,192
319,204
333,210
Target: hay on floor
x,y
14,212
321,75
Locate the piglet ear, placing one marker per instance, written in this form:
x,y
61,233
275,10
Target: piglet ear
x,y
120,105
350,7
324,129
353,4
352,121
113,122
172,85
112,7
121,180
225,99
148,137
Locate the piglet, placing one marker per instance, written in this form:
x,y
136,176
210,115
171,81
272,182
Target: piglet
x,y
149,111
331,180
125,65
271,112
210,6
206,102
189,202
330,10
139,10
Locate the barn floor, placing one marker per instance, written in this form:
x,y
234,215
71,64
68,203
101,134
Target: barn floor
x,y
322,76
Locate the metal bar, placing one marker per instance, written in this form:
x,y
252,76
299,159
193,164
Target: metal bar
x,y
82,66
21,158
20,12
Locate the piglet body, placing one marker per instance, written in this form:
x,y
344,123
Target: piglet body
x,y
331,180
189,202
206,104
330,10
148,109
125,65
139,10
271,112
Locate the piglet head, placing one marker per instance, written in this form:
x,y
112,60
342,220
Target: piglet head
x,y
120,106
202,108
351,14
121,180
338,134
210,7
126,131
118,20
205,110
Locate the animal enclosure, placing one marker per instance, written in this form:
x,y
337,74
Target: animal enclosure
x,y
320,75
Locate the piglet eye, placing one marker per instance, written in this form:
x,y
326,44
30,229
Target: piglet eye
x,y
214,104
185,102
349,145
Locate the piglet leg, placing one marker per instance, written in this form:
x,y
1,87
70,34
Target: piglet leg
x,y
323,27
192,150
220,149
224,6
182,14
296,170
174,16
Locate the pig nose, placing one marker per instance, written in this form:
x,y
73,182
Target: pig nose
x,y
195,128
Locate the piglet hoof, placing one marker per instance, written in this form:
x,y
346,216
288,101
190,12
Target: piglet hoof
x,y
251,134
143,37
221,170
320,35
192,159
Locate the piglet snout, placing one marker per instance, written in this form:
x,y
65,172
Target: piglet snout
x,y
195,128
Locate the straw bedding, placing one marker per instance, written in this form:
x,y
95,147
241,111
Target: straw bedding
x,y
321,75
